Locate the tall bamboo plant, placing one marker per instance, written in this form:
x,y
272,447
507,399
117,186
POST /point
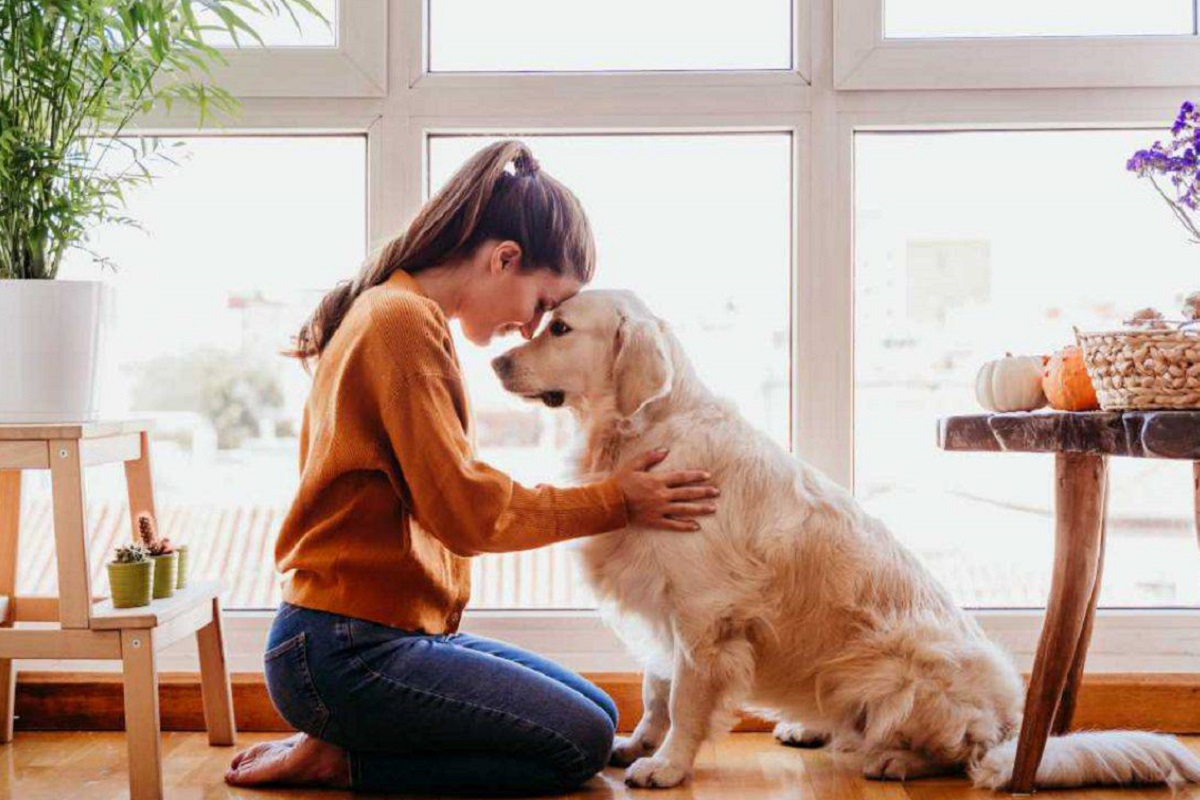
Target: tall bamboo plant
x,y
73,74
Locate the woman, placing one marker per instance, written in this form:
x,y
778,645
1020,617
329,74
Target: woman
x,y
363,657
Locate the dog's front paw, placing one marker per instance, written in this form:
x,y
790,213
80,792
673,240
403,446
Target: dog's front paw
x,y
655,773
897,765
629,749
793,734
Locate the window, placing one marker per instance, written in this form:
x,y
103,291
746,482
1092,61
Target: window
x,y
954,266
344,55
608,35
699,226
905,19
241,240
884,233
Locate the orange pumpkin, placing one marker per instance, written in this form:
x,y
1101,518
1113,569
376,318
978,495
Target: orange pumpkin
x,y
1066,383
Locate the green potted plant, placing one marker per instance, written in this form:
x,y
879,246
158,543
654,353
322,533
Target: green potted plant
x,y
130,576
162,555
73,74
182,578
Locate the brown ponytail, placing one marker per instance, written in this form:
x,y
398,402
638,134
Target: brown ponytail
x,y
481,201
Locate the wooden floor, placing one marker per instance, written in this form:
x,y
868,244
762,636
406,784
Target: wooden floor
x,y
743,766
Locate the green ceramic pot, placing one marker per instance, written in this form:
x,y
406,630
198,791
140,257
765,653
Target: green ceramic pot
x,y
166,570
130,584
182,578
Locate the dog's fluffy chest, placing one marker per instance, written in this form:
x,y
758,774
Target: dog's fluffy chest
x,y
671,581
635,589
624,567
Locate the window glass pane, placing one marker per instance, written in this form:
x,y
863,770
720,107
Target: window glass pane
x,y
608,35
280,30
698,226
937,18
969,245
241,240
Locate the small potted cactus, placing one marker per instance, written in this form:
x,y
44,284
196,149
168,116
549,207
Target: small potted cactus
x,y
182,577
129,576
162,554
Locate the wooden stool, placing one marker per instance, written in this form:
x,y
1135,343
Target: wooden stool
x,y
1082,443
89,628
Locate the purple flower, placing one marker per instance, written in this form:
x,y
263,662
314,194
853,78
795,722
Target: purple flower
x,y
1181,119
1177,161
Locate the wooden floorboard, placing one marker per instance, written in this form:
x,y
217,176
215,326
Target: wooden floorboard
x,y
742,766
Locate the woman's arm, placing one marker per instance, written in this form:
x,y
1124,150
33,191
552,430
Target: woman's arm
x,y
469,505
474,508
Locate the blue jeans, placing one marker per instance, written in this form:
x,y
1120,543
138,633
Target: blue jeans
x,y
445,714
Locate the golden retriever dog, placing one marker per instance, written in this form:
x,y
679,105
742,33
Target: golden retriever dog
x,y
790,599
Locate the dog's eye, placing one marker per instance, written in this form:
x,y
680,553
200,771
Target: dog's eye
x,y
559,328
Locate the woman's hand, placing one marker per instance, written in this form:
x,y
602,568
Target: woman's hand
x,y
665,500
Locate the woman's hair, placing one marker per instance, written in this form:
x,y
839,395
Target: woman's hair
x,y
482,201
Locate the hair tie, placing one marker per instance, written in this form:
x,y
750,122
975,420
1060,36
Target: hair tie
x,y
526,164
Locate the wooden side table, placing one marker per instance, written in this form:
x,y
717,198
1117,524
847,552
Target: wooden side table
x,y
1081,443
89,628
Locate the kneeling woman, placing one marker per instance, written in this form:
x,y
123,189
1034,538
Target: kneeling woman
x,y
364,657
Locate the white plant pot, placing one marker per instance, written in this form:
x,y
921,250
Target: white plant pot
x,y
53,337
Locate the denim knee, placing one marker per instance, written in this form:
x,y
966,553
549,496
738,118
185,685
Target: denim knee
x,y
592,737
609,707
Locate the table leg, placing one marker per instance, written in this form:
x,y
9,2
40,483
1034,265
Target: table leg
x,y
70,534
1080,480
214,681
142,731
139,485
1066,707
10,537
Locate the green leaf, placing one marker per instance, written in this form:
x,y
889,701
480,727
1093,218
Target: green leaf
x,y
73,74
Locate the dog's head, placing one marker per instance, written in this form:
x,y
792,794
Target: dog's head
x,y
597,345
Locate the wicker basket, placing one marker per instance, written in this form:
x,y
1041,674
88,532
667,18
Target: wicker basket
x,y
1143,369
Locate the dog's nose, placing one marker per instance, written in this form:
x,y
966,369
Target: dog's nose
x,y
502,365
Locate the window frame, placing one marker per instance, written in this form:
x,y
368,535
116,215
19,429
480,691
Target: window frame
x,y
865,59
356,66
823,101
417,43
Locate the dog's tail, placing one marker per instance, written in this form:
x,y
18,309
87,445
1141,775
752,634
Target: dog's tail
x,y
1108,758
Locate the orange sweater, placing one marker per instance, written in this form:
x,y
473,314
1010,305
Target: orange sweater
x,y
391,501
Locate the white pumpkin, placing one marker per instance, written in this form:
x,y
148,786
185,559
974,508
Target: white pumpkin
x,y
1012,383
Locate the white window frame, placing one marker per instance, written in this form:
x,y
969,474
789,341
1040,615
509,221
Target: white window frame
x,y
416,59
356,66
822,116
865,59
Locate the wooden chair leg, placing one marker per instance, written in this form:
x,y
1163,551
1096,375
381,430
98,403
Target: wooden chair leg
x,y
141,714
214,681
1080,479
139,484
10,537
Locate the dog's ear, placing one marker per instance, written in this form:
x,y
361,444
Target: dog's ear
x,y
642,370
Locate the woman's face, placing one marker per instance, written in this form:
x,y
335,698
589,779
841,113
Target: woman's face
x,y
502,297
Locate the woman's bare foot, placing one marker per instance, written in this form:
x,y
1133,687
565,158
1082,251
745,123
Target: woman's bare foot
x,y
258,749
297,761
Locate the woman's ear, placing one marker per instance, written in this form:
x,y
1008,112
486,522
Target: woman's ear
x,y
506,256
642,369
